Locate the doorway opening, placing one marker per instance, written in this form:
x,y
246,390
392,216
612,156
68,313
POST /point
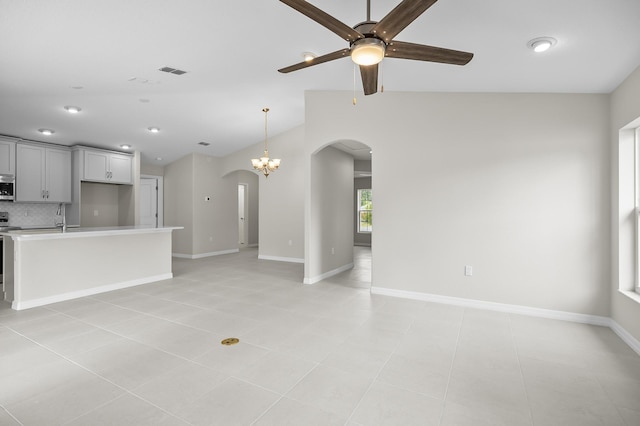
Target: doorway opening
x,y
243,234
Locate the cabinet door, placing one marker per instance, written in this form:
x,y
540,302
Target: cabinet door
x,y
58,176
7,158
30,175
96,165
120,169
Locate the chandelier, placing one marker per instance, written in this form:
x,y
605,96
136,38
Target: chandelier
x,y
264,164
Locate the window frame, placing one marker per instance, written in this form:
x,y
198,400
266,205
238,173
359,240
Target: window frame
x,y
360,210
636,180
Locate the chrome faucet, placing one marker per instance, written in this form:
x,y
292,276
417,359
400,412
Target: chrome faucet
x,y
62,212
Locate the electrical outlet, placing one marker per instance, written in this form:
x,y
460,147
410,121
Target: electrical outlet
x,y
468,270
290,242
95,212
333,250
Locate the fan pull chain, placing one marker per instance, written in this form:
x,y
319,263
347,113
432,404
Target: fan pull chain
x,y
381,77
355,101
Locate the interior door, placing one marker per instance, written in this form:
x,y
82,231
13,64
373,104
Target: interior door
x,y
242,215
149,202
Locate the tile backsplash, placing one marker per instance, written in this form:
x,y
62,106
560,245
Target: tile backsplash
x,y
28,214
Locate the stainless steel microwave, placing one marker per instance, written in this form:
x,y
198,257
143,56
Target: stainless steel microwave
x,y
7,187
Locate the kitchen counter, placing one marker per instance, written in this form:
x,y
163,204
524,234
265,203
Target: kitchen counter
x,y
45,266
37,233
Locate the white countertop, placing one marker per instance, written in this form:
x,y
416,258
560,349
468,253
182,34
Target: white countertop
x,y
55,233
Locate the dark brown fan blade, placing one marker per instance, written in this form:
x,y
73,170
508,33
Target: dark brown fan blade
x,y
324,19
369,75
315,61
421,52
401,16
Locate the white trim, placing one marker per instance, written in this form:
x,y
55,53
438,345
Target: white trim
x,y
492,306
280,259
252,245
625,336
201,255
328,274
26,304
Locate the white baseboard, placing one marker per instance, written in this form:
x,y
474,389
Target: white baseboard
x,y
26,304
252,245
313,280
281,259
625,336
492,306
202,255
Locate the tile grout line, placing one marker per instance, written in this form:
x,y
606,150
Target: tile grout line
x,y
101,377
283,395
453,359
375,378
11,415
524,384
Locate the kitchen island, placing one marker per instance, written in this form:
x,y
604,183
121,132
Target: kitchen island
x,y
45,266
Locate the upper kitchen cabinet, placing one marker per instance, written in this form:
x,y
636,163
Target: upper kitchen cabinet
x,y
107,167
43,174
7,157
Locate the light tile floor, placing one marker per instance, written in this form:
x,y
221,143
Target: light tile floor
x,y
326,354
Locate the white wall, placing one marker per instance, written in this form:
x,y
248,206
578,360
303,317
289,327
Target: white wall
x,y
625,108
331,214
515,185
281,195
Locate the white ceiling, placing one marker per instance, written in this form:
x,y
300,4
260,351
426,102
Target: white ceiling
x,y
232,50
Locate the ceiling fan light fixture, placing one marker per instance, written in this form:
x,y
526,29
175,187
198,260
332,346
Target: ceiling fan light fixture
x,y
368,51
154,129
541,44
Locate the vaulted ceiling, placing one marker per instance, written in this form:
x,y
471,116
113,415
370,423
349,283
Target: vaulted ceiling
x,y
104,56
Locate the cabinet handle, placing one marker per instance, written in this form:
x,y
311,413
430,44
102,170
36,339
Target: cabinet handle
x,y
43,193
47,194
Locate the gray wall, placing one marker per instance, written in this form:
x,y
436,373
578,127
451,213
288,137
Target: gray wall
x,y
251,180
515,185
331,214
179,202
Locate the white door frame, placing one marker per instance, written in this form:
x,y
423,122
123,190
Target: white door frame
x,y
160,196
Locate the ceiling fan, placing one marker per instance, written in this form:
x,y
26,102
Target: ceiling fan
x,y
371,41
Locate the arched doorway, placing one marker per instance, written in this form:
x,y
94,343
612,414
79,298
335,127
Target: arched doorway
x,y
339,225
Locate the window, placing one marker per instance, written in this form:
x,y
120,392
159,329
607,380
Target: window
x,y
364,207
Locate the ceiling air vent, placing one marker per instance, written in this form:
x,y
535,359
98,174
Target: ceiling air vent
x,y
172,70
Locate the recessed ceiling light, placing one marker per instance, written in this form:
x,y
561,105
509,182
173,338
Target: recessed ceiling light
x,y
47,132
154,129
308,56
204,143
73,109
125,146
158,158
541,44
144,101
77,87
